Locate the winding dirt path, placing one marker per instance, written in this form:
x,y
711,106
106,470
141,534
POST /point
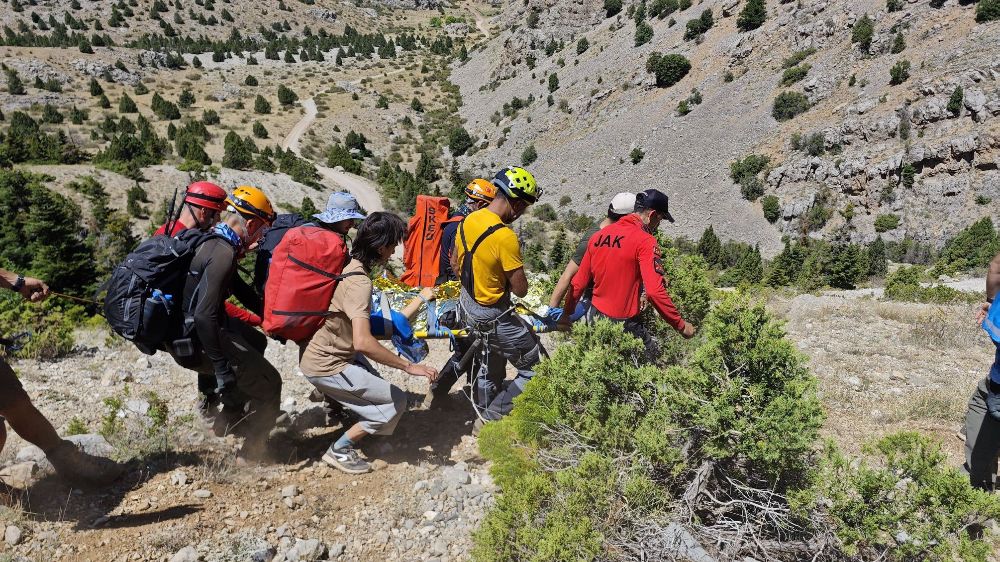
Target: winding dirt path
x,y
364,189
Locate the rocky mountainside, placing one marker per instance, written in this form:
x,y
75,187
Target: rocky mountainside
x,y
864,147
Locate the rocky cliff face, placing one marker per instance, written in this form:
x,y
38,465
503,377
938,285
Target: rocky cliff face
x,y
867,135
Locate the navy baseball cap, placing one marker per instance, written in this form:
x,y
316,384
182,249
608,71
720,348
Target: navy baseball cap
x,y
656,200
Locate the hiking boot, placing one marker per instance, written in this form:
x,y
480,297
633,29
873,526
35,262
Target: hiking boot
x,y
208,407
993,400
346,460
81,469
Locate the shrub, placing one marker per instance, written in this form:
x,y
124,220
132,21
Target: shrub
x,y
668,69
797,57
794,74
789,104
261,105
813,144
185,99
904,285
582,45
286,96
974,246
259,131
643,34
899,72
164,109
710,248
893,5
612,7
987,10
907,175
863,32
237,152
250,80
337,155
210,117
544,212
51,115
459,141
698,27
771,207
885,223
752,16
95,87
878,264
416,105
662,8
745,172
529,155
636,155
955,101
898,43
553,82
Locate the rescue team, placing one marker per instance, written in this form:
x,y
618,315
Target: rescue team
x,y
173,292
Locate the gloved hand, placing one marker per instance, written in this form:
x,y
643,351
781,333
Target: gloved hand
x,y
554,314
229,394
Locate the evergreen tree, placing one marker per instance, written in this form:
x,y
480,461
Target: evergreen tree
x,y
529,155
415,105
95,87
710,247
103,102
127,105
308,208
426,169
259,131
286,96
558,254
553,82
186,99
459,141
863,32
845,267
14,84
898,43
878,265
250,80
261,105
752,16
749,267
237,153
955,101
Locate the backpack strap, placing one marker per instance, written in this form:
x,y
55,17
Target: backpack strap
x,y
468,282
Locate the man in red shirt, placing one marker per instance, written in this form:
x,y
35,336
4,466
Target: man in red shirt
x,y
623,259
202,204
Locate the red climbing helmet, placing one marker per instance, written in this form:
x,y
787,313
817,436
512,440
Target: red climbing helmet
x,y
206,194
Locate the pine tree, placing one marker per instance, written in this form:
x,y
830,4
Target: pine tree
x,y
426,169
878,265
95,87
415,105
553,82
186,99
710,247
237,153
286,96
127,105
261,105
557,255
14,84
308,208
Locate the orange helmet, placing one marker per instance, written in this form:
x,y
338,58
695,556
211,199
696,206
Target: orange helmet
x,y
481,190
251,203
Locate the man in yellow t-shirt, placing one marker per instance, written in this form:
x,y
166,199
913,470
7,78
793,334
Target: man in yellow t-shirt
x,y
487,257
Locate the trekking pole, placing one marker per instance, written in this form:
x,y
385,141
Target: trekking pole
x,y
95,303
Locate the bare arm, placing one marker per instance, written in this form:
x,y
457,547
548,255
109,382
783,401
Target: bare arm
x,y
366,344
562,286
33,289
517,281
413,307
993,278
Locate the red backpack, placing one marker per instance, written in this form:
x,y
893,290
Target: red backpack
x,y
305,268
422,249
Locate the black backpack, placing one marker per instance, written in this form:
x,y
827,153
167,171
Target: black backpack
x,y
145,292
282,224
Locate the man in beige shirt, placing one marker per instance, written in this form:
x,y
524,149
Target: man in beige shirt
x,y
335,360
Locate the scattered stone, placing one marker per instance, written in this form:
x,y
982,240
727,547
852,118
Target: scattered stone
x,y
336,550
290,491
203,494
186,554
143,363
178,478
19,475
309,550
12,535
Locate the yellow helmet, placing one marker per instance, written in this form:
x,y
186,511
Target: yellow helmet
x,y
517,183
251,203
480,190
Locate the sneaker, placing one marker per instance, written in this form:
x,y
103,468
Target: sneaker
x,y
81,469
346,460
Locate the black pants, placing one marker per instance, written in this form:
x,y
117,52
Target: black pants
x,y
451,371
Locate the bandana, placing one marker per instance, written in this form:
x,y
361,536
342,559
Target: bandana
x,y
225,231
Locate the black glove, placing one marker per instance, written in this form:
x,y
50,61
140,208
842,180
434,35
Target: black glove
x,y
229,394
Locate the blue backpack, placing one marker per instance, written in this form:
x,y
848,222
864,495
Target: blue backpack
x,y
388,323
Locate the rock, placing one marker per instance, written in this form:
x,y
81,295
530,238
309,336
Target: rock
x,y
143,363
729,7
186,554
290,491
975,101
178,478
309,550
20,475
456,476
263,555
203,494
137,406
683,545
91,443
336,550
12,535
902,537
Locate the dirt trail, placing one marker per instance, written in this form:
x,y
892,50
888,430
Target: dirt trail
x,y
364,189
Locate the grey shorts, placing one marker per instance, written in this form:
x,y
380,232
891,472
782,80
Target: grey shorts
x,y
361,390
